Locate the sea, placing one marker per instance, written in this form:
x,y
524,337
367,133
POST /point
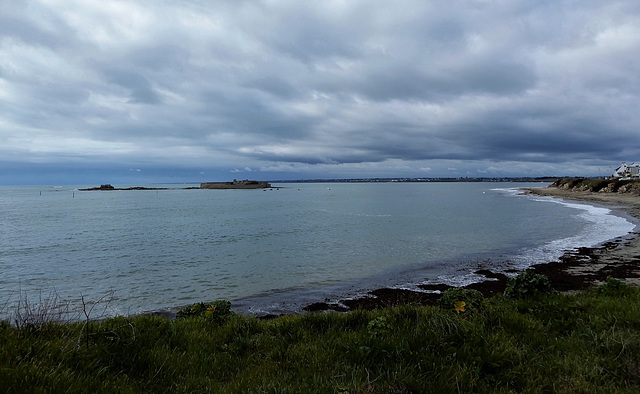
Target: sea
x,y
272,251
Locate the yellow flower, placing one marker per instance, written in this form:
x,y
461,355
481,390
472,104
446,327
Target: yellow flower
x,y
459,305
210,310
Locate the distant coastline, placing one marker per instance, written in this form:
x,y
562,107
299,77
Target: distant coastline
x,y
251,184
421,179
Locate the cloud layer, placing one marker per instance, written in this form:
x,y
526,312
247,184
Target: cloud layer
x,y
333,88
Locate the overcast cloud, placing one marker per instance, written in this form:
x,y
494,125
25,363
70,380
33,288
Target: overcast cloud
x,y
196,90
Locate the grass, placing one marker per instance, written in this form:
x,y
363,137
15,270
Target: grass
x,y
584,342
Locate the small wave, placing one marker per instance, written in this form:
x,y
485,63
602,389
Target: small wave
x,y
602,225
415,288
514,191
460,279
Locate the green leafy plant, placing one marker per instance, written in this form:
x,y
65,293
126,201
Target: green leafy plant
x,y
378,326
528,284
217,310
613,288
461,300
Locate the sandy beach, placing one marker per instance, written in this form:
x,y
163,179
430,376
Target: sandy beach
x,y
577,269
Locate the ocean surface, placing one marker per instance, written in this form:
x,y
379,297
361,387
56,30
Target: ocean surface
x,y
277,250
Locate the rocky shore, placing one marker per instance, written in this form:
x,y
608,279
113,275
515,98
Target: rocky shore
x,y
619,258
575,270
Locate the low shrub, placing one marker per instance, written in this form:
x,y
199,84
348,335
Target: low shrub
x,y
378,326
217,310
461,300
528,284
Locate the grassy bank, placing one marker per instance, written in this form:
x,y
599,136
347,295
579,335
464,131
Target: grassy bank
x,y
599,185
583,342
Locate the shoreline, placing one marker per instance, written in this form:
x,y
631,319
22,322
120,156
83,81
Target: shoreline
x,y
576,269
618,258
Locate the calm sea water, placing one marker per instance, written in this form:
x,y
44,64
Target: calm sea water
x,y
277,250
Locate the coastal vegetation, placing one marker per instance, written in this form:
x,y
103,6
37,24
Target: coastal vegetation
x,y
599,185
530,340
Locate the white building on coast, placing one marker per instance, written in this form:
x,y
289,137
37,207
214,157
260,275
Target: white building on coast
x,y
627,171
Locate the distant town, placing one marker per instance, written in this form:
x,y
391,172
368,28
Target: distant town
x,y
459,179
625,171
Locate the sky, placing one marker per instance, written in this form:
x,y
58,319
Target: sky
x,y
142,91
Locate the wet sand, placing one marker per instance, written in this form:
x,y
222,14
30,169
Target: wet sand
x,y
575,270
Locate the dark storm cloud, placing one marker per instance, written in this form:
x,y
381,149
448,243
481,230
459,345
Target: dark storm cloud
x,y
334,87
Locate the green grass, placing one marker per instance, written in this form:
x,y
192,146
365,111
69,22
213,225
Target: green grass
x,y
585,342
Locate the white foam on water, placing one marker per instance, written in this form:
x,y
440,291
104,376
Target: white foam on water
x,y
460,279
601,225
508,190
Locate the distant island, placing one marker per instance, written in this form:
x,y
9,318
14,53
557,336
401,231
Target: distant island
x,y
109,187
245,184
235,184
